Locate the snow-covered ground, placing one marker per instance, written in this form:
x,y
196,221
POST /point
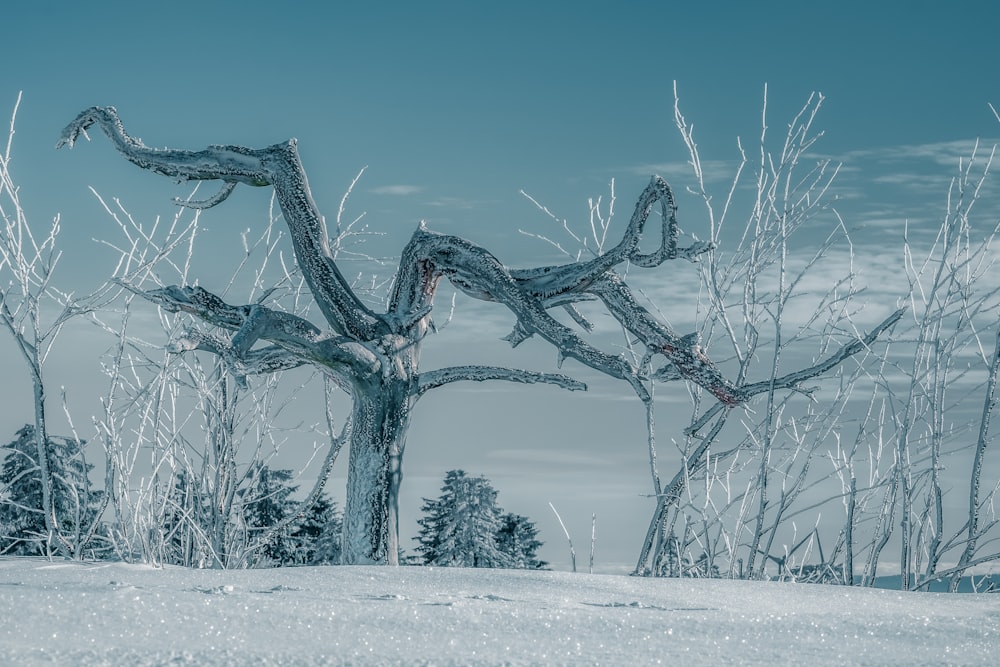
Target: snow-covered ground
x,y
66,613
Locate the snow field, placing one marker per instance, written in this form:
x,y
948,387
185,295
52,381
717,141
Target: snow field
x,y
69,613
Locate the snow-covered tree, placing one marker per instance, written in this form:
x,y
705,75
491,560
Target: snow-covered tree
x,y
266,504
460,527
74,503
35,311
374,356
518,539
318,536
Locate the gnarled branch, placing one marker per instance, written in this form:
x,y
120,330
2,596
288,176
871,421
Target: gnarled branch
x,y
252,323
684,352
269,359
278,166
430,256
548,281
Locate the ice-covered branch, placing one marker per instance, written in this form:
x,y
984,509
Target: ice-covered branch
x,y
442,376
268,359
848,350
277,166
253,323
430,256
529,293
794,379
549,281
216,199
683,352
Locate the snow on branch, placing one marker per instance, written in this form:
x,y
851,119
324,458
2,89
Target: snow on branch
x,y
442,376
429,256
269,359
794,379
426,259
683,352
290,334
548,281
278,166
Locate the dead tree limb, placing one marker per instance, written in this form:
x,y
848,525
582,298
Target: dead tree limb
x,y
375,356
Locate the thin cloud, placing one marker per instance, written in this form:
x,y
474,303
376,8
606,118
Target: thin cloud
x,y
945,153
712,170
396,190
455,202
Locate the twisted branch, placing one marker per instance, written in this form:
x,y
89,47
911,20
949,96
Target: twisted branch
x,y
428,257
277,166
290,335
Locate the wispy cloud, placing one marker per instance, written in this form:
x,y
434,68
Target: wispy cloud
x,y
455,202
712,170
945,153
396,190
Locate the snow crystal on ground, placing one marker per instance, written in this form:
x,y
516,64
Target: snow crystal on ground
x,y
68,613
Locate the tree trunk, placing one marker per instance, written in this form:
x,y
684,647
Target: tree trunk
x,y
53,542
380,418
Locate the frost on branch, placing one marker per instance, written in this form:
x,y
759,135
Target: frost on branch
x,y
375,356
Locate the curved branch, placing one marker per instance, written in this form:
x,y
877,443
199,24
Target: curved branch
x,y
442,376
430,256
668,229
199,302
216,199
278,166
684,352
793,379
549,281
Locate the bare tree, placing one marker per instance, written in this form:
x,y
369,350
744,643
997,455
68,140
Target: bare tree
x,y
739,478
34,311
902,409
374,356
186,435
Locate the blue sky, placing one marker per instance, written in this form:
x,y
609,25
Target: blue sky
x,y
457,106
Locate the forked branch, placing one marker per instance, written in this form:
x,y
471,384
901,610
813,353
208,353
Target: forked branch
x,y
277,166
425,260
290,335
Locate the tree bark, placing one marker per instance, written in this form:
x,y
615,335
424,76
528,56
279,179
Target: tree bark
x,y
379,421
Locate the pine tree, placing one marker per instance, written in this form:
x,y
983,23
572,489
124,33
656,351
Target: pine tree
x,y
460,528
517,538
75,503
317,536
265,505
183,520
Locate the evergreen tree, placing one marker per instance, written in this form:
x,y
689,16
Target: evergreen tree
x,y
517,538
317,536
265,505
182,521
22,522
460,528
